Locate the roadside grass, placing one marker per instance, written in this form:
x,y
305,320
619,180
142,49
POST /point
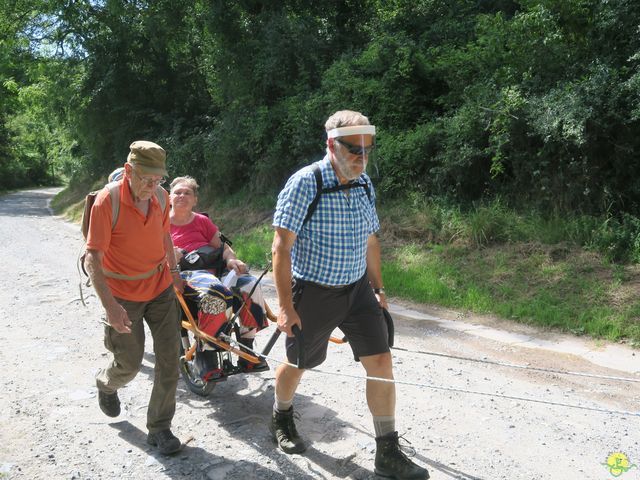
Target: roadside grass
x,y
549,286
254,247
70,201
521,282
247,226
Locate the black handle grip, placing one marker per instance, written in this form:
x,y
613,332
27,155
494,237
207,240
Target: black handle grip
x,y
272,341
300,344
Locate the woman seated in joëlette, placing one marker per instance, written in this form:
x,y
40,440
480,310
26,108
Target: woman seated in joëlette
x,y
205,260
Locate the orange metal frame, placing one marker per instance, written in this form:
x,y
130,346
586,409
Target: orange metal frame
x,y
193,327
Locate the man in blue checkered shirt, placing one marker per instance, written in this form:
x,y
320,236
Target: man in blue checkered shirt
x,y
327,273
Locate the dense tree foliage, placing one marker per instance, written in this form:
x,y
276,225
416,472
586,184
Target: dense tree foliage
x,y
533,101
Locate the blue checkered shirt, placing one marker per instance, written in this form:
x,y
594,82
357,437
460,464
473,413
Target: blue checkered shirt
x,y
331,248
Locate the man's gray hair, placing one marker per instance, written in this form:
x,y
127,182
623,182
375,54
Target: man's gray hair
x,y
345,118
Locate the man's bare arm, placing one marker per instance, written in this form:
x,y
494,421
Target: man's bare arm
x,y
283,241
173,265
374,268
116,315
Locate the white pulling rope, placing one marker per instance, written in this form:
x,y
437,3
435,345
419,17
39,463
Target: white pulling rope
x,y
524,367
227,338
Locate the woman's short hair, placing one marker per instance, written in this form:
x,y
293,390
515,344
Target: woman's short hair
x,y
190,182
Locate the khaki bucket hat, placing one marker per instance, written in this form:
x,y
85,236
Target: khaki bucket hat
x,y
148,157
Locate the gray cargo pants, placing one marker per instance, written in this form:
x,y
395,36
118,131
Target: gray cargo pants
x,y
162,317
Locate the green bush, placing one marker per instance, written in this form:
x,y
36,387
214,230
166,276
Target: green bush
x,y
618,239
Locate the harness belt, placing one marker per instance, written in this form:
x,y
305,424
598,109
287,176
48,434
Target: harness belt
x,y
141,276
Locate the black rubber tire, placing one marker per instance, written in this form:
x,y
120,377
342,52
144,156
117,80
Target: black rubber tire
x,y
191,377
193,380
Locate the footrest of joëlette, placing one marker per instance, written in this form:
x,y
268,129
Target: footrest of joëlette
x,y
216,375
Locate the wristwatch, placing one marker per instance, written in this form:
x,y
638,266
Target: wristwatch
x,y
379,290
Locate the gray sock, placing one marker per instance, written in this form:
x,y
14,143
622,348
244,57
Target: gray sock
x,y
384,425
282,405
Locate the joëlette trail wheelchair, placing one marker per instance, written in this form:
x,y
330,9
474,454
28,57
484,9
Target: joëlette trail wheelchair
x,y
208,348
212,347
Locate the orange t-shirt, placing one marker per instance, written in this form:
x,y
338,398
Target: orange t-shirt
x,y
135,246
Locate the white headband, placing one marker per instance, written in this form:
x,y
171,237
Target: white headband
x,y
353,130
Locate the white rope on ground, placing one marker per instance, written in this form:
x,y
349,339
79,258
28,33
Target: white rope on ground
x,y
436,387
524,367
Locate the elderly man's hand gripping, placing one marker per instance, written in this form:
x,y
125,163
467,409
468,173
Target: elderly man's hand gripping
x,y
117,317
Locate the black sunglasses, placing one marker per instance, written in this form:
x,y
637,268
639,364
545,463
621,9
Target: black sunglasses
x,y
355,149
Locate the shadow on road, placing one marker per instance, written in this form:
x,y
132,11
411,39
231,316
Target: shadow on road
x,y
245,416
451,472
247,421
184,464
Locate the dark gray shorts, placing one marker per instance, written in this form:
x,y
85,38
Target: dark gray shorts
x,y
353,309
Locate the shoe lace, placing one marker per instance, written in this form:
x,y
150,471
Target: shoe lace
x,y
407,449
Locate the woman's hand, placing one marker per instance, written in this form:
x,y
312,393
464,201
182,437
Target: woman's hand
x,y
178,254
237,265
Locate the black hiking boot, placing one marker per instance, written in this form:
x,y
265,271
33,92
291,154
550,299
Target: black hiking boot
x,y
284,432
109,403
245,365
166,442
391,462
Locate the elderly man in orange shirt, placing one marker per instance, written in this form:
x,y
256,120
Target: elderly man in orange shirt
x,y
133,270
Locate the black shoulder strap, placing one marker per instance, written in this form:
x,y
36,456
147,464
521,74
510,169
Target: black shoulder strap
x,y
319,191
314,203
349,186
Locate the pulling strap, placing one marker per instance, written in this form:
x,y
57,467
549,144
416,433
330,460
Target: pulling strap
x,y
141,276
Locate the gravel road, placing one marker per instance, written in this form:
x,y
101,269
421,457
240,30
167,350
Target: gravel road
x,y
51,426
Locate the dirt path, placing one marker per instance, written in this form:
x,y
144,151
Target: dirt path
x,y
51,427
